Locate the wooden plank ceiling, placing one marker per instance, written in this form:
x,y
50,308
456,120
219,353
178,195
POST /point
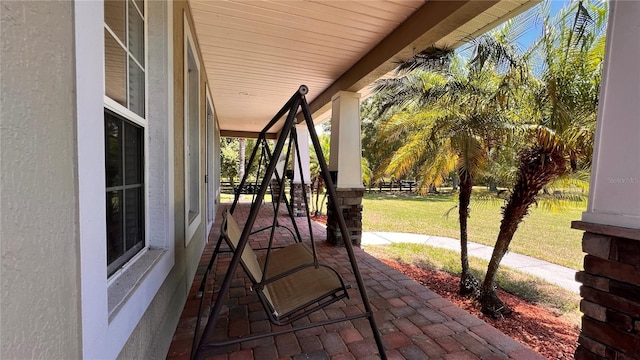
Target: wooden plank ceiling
x,y
257,53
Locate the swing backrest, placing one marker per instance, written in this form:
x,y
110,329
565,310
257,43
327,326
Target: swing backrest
x,y
249,259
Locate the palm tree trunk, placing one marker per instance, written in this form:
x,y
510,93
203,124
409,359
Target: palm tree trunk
x,y
537,167
241,157
312,191
241,162
514,212
469,285
324,199
317,209
492,185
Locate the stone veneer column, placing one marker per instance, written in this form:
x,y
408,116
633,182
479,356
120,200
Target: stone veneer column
x,y
345,160
297,196
275,191
350,201
275,186
611,277
610,293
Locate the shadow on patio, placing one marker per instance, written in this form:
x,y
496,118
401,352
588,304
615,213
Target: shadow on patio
x,y
415,322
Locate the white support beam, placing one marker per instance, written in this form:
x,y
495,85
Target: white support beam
x,y
303,145
428,25
614,197
345,140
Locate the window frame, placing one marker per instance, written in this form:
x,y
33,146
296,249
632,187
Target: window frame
x,y
112,308
117,265
129,56
191,225
211,186
131,116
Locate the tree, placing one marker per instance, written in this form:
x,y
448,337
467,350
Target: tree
x,y
241,159
557,108
448,116
229,159
317,184
374,151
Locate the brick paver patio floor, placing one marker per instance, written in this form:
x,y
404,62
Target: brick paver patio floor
x,y
415,322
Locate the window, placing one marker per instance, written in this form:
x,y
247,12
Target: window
x,y
125,125
125,190
191,136
114,306
124,43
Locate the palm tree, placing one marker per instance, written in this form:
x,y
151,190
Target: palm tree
x,y
557,108
448,117
317,183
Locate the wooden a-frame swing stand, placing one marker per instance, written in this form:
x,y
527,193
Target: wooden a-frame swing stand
x,y
290,282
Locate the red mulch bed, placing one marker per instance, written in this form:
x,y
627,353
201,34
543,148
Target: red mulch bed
x,y
538,328
322,219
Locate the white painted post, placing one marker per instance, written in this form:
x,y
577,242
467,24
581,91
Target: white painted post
x,y
345,140
614,197
303,145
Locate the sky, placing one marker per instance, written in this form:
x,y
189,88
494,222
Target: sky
x,y
528,37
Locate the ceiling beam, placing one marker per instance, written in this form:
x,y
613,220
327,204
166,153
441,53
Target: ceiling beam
x,y
430,23
246,134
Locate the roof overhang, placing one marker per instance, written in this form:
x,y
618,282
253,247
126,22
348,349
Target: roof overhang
x,y
257,53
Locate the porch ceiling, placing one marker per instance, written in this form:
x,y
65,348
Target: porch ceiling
x,y
257,53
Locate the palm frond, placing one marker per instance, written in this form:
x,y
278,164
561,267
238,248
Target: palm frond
x,y
430,59
582,23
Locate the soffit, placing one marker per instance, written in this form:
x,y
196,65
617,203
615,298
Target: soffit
x,y
257,53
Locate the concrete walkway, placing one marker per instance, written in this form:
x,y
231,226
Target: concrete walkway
x,y
555,274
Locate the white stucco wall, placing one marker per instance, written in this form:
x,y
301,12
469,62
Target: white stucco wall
x,y
38,189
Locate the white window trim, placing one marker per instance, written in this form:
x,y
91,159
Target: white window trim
x,y
129,115
103,337
211,162
190,226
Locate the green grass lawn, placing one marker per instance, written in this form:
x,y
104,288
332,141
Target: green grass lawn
x,y
228,198
544,234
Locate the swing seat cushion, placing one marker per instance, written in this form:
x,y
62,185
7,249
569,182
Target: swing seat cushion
x,y
302,288
296,289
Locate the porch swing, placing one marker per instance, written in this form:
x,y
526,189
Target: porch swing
x,y
265,154
290,282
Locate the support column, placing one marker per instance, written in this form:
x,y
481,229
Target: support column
x,y
275,186
614,197
611,276
345,160
297,198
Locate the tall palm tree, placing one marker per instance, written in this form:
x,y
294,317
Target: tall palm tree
x,y
557,108
448,117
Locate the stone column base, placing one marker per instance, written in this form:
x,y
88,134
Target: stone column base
x,y
610,292
275,191
350,201
297,199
